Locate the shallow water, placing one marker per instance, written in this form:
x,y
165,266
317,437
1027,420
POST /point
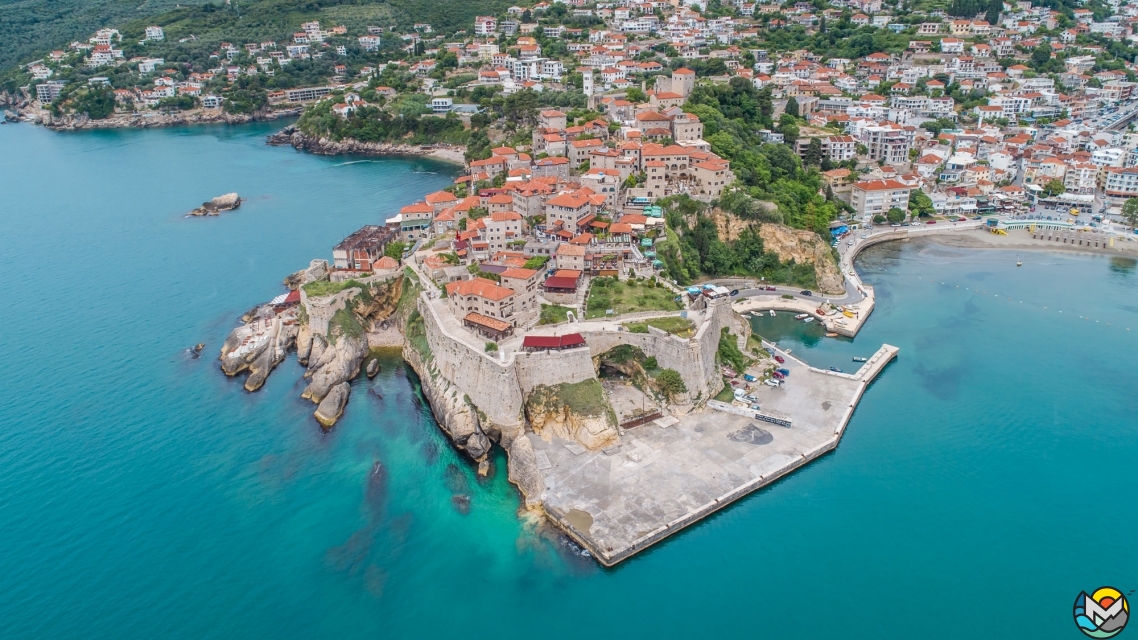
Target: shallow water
x,y
982,483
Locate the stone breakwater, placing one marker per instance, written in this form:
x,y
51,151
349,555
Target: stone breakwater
x,y
301,141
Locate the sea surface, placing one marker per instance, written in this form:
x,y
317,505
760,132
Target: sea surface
x,y
987,477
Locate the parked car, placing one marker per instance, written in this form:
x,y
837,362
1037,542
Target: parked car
x,y
734,292
931,222
806,293
769,288
750,398
755,407
773,382
749,378
779,359
784,372
863,236
895,224
777,376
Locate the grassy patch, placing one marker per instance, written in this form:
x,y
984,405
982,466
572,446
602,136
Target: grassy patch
x,y
585,398
729,353
321,288
344,323
674,325
553,314
417,335
629,296
727,394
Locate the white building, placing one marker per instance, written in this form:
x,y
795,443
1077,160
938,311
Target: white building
x,y
874,197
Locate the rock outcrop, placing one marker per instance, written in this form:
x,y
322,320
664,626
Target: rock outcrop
x,y
804,247
523,472
226,202
337,362
457,417
72,122
332,406
258,346
301,141
576,412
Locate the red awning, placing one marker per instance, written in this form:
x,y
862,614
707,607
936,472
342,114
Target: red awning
x,y
553,342
293,296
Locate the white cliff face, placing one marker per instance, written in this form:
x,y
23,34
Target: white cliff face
x,y
591,424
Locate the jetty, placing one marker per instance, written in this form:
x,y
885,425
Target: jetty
x,y
673,472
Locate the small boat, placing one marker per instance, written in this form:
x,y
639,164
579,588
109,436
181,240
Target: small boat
x,y
835,369
831,334
1019,263
802,316
808,320
772,313
848,314
858,359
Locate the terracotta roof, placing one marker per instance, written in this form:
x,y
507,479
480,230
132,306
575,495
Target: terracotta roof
x,y
386,262
481,287
880,185
484,321
518,272
570,250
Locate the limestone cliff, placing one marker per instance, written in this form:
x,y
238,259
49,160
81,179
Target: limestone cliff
x,y
805,247
576,412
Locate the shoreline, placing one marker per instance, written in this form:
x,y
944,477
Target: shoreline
x,y
301,141
1020,240
149,121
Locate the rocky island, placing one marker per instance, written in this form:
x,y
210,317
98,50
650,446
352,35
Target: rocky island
x,y
213,207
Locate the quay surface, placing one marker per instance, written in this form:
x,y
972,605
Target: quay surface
x,y
667,475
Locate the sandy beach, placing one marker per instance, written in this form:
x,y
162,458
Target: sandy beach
x,y
1021,240
448,155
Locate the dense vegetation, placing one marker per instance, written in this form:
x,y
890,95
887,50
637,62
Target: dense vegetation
x,y
31,28
694,249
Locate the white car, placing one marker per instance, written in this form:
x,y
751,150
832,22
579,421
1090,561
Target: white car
x,y
850,243
863,236
772,383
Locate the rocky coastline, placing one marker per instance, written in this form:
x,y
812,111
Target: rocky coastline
x,y
302,141
331,333
78,122
227,202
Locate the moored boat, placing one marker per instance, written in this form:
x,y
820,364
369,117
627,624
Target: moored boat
x,y
772,313
858,359
810,319
802,316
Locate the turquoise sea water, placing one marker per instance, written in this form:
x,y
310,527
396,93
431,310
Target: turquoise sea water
x,y
984,481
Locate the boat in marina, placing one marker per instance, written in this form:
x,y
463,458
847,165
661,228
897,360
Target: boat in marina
x,y
858,359
802,316
772,313
809,319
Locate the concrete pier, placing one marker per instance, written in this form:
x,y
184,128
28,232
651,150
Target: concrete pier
x,y
660,479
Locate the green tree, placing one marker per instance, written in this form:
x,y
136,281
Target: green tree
x,y
1130,212
792,107
878,219
670,383
1040,55
895,215
96,102
920,204
395,250
813,156
1055,187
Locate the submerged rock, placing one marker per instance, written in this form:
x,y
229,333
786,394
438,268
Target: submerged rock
x,y
332,406
372,368
226,202
461,503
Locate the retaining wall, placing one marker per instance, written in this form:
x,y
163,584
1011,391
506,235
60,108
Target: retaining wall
x,y
553,367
